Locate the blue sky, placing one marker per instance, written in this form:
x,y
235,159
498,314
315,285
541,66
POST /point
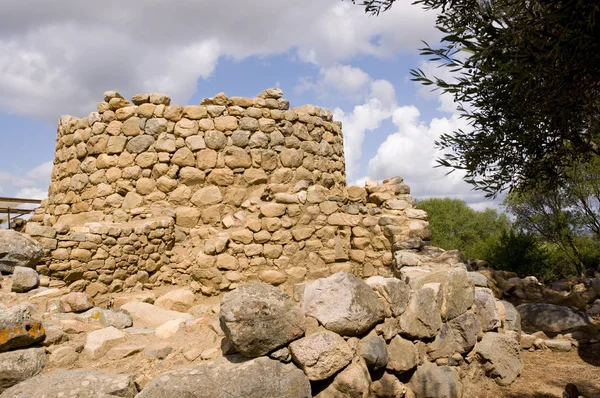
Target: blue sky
x,y
60,60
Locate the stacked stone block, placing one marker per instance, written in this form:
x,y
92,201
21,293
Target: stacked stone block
x,y
255,190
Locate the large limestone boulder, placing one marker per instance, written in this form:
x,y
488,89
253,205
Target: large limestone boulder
x,y
24,279
456,288
151,316
98,342
353,382
18,329
457,336
75,302
387,386
499,355
432,381
321,355
374,351
395,291
422,318
228,377
259,318
485,307
458,293
551,318
402,355
343,304
18,250
510,317
75,383
16,366
176,300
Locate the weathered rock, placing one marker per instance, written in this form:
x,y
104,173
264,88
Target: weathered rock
x,y
457,336
320,355
259,318
24,279
176,300
16,366
422,317
499,355
402,355
148,315
431,381
551,318
231,377
486,309
18,250
558,345
18,329
80,383
169,328
387,386
54,336
343,304
479,279
374,351
395,291
64,356
458,293
124,351
118,318
352,382
510,317
76,302
98,342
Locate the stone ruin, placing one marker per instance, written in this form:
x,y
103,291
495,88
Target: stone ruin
x,y
230,191
329,290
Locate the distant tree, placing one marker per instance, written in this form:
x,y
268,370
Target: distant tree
x,y
522,253
564,215
454,225
528,82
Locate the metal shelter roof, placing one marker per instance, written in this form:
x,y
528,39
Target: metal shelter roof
x,y
11,208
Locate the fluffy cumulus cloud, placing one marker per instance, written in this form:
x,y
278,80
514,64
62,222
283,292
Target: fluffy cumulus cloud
x,y
337,80
410,152
379,105
32,184
59,58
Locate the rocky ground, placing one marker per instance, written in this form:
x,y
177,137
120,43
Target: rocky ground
x,y
147,348
444,329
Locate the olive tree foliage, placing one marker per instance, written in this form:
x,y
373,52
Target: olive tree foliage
x,y
527,81
566,215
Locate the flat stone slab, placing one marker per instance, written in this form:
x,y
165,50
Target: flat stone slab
x,y
75,383
551,318
228,377
151,316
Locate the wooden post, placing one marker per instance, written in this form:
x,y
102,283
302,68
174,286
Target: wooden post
x,y
8,211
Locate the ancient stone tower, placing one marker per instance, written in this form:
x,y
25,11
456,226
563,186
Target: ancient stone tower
x,y
230,191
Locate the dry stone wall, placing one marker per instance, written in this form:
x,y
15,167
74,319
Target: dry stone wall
x,y
230,191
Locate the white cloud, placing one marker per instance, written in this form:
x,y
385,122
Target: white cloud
x,y
410,152
60,58
32,193
366,117
32,184
337,80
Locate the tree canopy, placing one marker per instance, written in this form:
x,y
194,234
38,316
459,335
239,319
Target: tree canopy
x,y
527,80
455,225
567,215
